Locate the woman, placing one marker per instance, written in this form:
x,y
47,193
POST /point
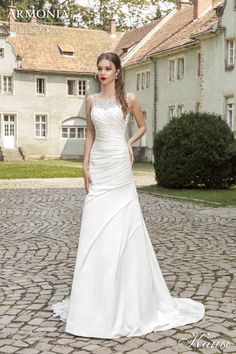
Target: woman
x,y
118,288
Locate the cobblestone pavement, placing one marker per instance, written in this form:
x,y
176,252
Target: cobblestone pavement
x,y
140,180
195,247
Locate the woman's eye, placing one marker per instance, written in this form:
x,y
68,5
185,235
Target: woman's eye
x,y
108,69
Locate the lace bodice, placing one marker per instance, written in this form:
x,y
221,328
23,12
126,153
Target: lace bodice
x,y
106,103
110,124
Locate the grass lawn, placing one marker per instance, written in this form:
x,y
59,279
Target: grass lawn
x,y
52,169
40,169
73,169
216,197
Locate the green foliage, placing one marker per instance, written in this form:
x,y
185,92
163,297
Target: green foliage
x,y
195,149
129,13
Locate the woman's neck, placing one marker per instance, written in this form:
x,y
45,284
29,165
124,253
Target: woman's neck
x,y
108,91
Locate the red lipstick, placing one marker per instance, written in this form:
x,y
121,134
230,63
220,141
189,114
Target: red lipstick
x,y
103,78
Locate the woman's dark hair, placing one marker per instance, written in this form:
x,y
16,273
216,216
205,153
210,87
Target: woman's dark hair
x,y
119,83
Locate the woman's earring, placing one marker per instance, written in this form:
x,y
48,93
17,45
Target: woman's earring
x,y
116,76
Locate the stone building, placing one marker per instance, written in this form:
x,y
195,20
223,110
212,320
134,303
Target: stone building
x,y
180,62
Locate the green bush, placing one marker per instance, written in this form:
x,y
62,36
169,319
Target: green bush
x,y
193,150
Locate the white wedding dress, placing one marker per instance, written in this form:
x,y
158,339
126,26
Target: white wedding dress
x,y
118,288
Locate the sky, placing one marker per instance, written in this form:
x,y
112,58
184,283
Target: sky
x,y
164,5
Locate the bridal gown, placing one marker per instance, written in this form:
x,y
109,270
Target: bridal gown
x,y
118,288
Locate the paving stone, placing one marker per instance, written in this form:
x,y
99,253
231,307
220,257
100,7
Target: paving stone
x,y
39,234
28,351
138,351
61,350
102,350
8,349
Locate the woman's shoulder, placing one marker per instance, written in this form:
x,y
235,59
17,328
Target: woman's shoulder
x,y
130,95
91,97
130,98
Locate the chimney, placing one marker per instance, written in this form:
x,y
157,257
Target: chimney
x,y
200,6
33,19
112,26
11,17
183,4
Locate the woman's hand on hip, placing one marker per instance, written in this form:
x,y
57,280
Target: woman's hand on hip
x,y
131,153
87,180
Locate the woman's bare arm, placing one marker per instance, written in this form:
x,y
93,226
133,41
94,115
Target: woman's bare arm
x,y
90,134
135,108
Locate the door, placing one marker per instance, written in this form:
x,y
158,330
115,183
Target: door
x,y
9,128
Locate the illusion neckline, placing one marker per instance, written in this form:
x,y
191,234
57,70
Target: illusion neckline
x,y
112,98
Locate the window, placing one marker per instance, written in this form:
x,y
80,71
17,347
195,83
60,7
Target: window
x,y
9,125
198,64
138,82
40,125
176,69
180,68
171,70
7,84
1,53
147,79
230,112
74,132
180,109
230,52
40,86
198,106
143,140
74,128
171,111
82,87
66,49
71,87
143,80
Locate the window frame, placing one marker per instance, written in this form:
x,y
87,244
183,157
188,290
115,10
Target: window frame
x,y
75,87
171,106
138,81
180,68
148,79
46,125
45,85
68,127
85,89
177,109
229,42
228,101
171,70
199,60
2,84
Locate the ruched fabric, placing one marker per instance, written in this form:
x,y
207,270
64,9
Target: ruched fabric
x,y
118,288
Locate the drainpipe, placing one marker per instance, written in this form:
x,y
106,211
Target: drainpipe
x,y
154,60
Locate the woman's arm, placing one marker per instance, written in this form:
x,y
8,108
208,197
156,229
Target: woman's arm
x,y
90,134
135,108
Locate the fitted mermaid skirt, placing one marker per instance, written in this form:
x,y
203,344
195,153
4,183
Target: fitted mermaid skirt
x,y
118,288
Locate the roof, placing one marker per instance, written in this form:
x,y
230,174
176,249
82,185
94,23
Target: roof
x,y
178,30
46,45
186,34
134,36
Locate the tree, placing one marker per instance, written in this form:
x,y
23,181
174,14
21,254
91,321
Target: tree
x,y
128,13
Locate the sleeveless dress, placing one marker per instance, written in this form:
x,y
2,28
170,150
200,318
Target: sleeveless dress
x,y
118,288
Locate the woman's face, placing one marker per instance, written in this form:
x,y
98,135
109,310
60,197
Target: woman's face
x,y
106,71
